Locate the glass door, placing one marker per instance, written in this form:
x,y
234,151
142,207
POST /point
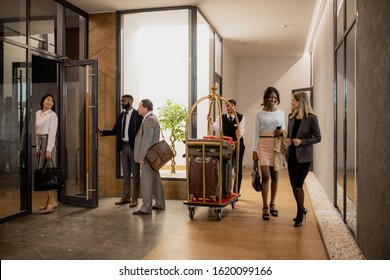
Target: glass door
x,y
79,158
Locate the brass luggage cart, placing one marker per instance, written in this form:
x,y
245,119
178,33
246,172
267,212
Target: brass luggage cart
x,y
218,149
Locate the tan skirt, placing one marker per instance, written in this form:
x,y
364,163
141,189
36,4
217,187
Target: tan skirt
x,y
266,149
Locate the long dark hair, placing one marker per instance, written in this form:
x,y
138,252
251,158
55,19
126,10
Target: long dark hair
x,y
43,100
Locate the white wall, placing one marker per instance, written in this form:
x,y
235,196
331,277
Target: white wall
x,y
229,74
323,83
254,76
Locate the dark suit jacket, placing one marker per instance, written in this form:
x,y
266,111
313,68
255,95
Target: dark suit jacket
x,y
309,133
135,123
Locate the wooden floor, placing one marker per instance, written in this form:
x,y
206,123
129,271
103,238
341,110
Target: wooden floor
x,y
111,232
242,234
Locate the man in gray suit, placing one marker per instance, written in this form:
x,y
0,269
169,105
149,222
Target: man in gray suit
x,y
148,135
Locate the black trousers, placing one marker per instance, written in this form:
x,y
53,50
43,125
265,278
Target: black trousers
x,y
239,172
297,171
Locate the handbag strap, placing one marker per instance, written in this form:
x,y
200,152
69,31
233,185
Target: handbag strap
x,y
44,163
256,165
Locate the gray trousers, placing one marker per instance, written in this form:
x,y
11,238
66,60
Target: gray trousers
x,y
129,166
151,188
42,144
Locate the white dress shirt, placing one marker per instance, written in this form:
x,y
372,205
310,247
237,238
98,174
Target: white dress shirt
x,y
46,123
215,125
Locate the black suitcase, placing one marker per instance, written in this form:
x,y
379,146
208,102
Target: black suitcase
x,y
211,177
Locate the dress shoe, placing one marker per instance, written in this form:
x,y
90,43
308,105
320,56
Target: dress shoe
x,y
156,208
133,203
123,201
139,212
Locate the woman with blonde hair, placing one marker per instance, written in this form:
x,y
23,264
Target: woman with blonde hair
x,y
303,132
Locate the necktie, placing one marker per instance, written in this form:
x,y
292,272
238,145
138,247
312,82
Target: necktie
x,y
230,119
124,125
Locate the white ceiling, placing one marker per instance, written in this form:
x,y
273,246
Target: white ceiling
x,y
251,28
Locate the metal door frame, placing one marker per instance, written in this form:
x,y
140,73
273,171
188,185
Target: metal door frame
x,y
88,201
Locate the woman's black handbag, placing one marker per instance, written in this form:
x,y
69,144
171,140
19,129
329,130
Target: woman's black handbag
x,y
256,183
49,178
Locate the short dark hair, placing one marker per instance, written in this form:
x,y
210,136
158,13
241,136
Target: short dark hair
x,y
44,98
146,103
233,101
128,96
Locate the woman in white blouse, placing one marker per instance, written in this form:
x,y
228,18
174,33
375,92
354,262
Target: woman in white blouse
x,y
46,123
269,121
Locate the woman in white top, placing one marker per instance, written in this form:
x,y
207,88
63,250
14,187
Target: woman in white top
x,y
268,124
46,123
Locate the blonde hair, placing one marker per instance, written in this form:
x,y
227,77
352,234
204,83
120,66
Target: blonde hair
x,y
304,108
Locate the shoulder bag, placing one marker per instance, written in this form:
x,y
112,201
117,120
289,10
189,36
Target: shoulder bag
x,y
159,154
49,178
256,183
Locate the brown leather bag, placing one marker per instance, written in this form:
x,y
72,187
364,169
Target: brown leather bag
x,y
159,154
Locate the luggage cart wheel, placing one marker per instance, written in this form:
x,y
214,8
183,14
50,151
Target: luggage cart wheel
x,y
233,204
218,212
191,211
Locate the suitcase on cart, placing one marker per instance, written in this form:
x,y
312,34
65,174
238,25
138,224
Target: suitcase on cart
x,y
212,148
211,177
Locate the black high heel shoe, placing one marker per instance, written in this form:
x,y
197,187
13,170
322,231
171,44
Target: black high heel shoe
x,y
304,213
298,221
265,214
273,210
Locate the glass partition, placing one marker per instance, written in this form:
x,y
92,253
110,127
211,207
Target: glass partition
x,y
205,54
75,40
340,113
43,24
346,188
351,165
170,54
13,108
155,55
31,33
13,20
340,19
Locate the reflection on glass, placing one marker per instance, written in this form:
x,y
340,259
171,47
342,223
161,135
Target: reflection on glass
x,y
74,35
13,20
340,125
13,107
43,20
351,11
351,169
340,19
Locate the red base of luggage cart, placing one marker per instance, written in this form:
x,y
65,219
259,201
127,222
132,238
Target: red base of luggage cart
x,y
208,202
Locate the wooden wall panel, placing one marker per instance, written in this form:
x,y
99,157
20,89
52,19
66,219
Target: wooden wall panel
x,y
102,46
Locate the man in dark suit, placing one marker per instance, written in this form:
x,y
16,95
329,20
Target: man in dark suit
x,y
229,128
147,136
125,128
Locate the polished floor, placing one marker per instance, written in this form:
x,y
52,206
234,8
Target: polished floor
x,y
111,232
